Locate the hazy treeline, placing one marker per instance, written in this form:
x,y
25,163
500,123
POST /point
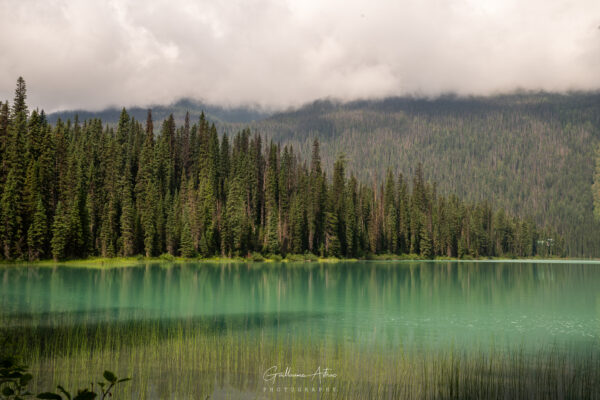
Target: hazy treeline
x,y
77,189
531,153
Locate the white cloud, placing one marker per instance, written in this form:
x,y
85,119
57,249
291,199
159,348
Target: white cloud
x,y
276,54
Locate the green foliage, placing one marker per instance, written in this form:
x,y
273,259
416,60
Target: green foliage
x,y
274,257
59,233
187,245
73,190
14,379
167,257
596,184
531,154
36,235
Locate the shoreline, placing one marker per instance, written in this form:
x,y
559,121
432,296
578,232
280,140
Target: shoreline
x,y
114,262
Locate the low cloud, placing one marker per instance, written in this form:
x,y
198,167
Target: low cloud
x,y
276,54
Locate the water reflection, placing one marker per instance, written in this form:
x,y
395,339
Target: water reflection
x,y
412,304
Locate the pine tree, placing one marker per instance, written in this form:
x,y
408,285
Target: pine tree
x,y
426,243
173,224
596,184
12,207
187,244
36,235
75,189
333,246
127,221
317,200
284,186
108,232
272,203
403,216
352,249
147,191
60,233
237,221
390,222
4,139
338,202
11,216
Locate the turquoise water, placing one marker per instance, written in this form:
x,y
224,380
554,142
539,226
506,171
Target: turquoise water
x,y
409,304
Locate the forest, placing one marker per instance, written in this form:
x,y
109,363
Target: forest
x,y
75,189
530,153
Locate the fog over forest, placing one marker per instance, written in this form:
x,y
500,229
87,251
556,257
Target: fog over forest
x,y
90,55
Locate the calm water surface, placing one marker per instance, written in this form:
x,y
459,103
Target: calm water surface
x,y
408,304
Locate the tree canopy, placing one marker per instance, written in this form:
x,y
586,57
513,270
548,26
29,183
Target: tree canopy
x,y
76,189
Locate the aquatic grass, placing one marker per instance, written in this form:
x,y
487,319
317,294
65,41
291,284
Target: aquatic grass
x,y
190,343
194,358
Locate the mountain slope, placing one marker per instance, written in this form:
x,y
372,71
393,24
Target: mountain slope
x,y
530,153
214,113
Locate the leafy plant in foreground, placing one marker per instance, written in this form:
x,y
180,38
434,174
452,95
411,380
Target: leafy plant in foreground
x,y
14,380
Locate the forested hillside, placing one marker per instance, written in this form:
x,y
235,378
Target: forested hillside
x,y
532,154
75,189
179,110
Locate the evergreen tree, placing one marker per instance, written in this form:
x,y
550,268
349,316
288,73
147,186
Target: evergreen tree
x,y
390,222
237,221
76,189
317,200
36,235
147,191
426,243
173,224
187,245
4,140
352,249
272,203
12,205
127,221
60,233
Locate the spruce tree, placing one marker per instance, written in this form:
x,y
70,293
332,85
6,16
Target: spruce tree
x,y
187,244
127,221
390,222
338,201
37,233
12,206
146,190
173,224
333,246
317,200
352,249
272,201
60,233
75,189
426,246
237,221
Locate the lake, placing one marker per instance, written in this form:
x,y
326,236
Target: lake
x,y
228,323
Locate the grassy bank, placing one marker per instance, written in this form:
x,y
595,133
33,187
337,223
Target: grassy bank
x,y
112,262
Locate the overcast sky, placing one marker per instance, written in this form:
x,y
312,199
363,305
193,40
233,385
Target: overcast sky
x,y
276,53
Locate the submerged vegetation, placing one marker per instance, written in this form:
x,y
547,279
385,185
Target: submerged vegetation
x,y
75,190
194,331
202,359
